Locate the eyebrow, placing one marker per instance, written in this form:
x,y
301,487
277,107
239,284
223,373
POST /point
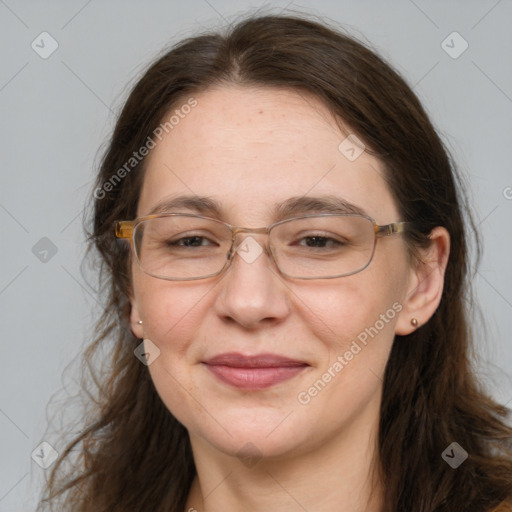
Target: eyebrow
x,y
319,204
294,206
200,204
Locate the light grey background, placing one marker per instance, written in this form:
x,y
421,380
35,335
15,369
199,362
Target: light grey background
x,y
57,112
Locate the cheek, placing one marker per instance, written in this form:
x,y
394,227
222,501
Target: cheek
x,y
172,312
354,319
338,312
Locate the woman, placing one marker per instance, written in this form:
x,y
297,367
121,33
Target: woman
x,y
279,222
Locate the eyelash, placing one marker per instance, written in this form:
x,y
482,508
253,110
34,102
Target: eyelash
x,y
182,242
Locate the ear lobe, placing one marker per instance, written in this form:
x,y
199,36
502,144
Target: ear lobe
x,y
426,283
136,327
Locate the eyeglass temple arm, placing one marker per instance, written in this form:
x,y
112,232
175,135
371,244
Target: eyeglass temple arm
x,y
390,229
124,229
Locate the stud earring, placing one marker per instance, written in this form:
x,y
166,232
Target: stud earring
x,y
140,322
414,322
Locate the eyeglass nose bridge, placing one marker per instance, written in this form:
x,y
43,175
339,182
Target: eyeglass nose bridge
x,y
237,231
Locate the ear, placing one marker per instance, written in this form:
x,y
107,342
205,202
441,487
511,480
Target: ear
x,y
136,327
426,282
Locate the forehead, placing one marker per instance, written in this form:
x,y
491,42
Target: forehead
x,y
252,148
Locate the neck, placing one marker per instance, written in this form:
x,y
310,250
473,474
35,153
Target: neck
x,y
341,474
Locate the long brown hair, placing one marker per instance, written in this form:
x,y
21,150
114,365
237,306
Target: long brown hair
x,y
132,454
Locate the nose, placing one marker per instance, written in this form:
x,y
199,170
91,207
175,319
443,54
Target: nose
x,y
252,291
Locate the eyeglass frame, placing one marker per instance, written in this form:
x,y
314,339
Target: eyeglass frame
x,y
125,229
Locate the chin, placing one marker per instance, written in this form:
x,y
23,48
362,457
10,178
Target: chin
x,y
256,433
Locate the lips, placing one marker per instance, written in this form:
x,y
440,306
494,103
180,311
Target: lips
x,y
254,372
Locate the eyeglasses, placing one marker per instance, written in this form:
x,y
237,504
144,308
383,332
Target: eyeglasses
x,y
183,247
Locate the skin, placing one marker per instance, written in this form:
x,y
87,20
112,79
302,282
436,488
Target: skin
x,y
249,149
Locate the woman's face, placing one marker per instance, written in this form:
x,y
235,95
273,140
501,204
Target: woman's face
x,y
251,150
